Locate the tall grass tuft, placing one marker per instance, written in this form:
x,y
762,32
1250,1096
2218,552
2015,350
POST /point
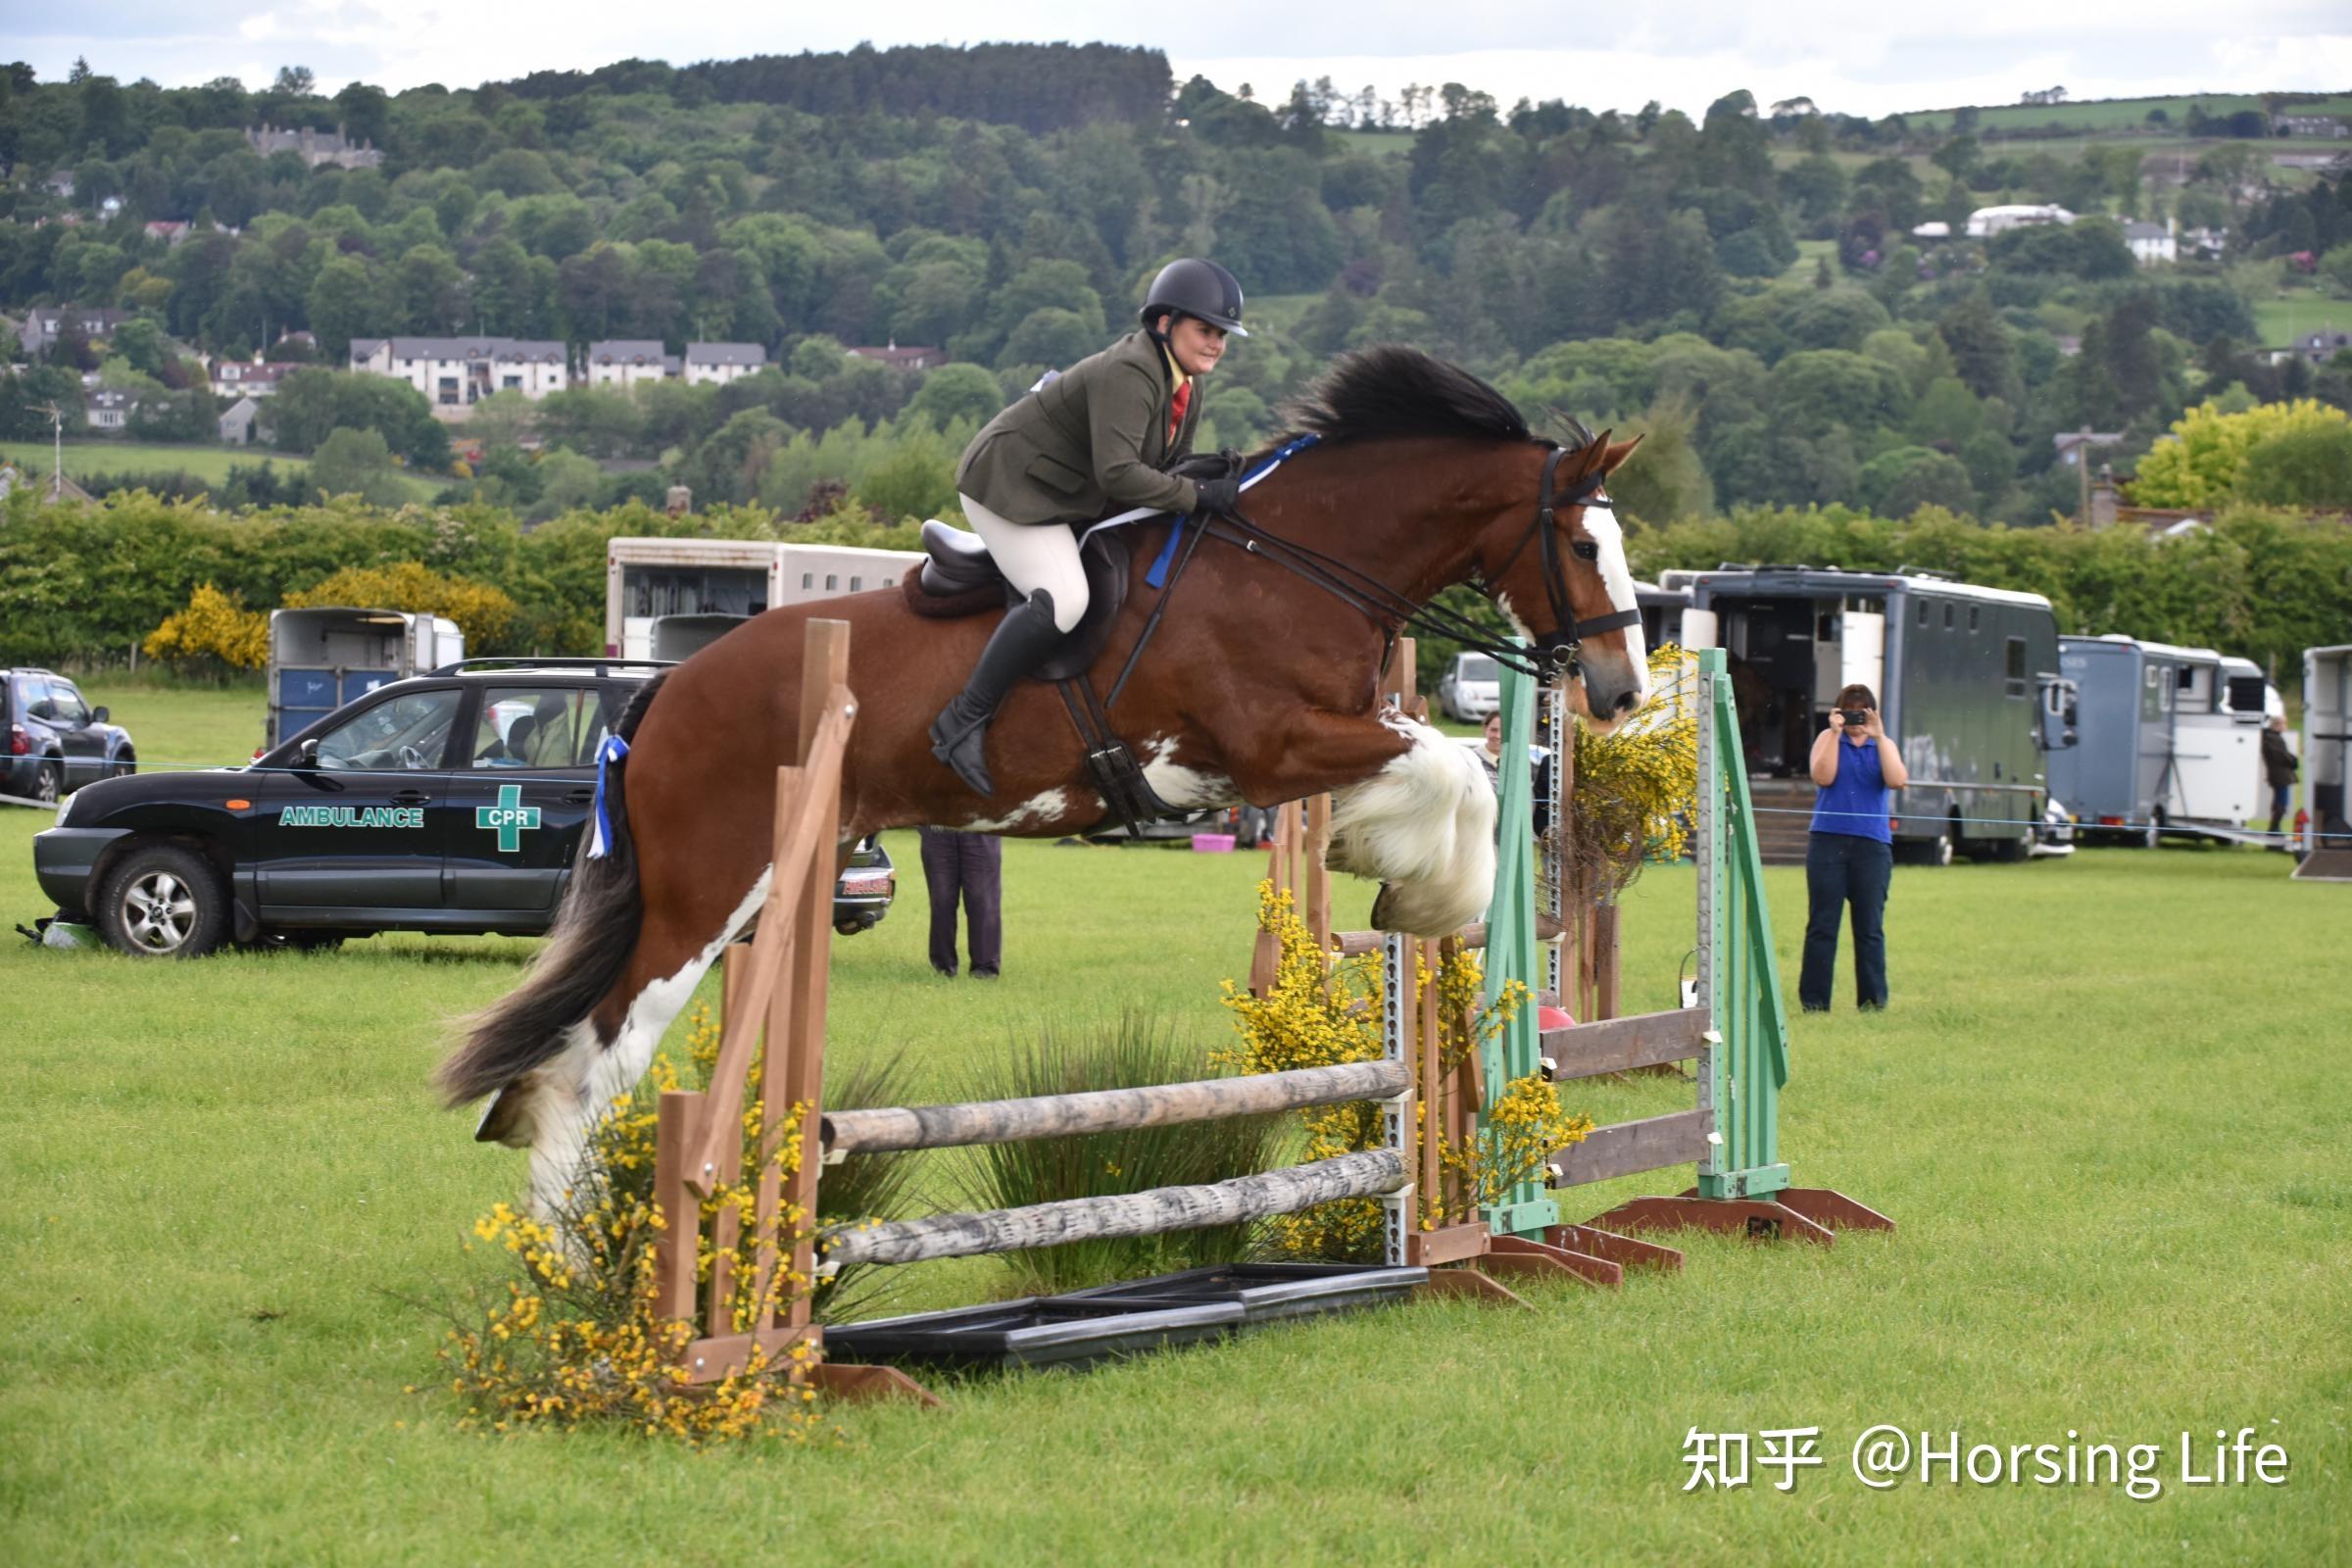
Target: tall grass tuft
x,y
1133,1053
874,1185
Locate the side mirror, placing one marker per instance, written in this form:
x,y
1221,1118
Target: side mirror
x,y
99,714
307,754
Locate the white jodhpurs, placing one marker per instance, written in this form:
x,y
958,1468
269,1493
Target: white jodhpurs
x,y
1044,556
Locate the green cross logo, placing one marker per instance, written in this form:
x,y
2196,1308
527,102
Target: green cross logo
x,y
509,817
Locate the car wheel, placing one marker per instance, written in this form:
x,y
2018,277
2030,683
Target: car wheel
x,y
124,765
49,784
164,902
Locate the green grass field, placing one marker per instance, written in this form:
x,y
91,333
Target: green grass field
x,y
205,463
2118,114
2107,1108
2286,316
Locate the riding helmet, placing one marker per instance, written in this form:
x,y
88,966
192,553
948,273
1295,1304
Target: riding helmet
x,y
1191,286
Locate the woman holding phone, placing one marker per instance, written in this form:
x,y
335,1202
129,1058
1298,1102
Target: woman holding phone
x,y
1849,857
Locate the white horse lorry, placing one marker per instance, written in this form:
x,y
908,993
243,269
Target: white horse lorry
x,y
723,582
1968,683
2170,740
325,658
2327,762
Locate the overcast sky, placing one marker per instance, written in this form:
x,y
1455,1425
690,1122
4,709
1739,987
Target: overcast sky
x,y
1859,55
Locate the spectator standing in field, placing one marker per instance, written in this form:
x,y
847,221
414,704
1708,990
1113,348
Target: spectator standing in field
x,y
969,866
1849,857
2279,770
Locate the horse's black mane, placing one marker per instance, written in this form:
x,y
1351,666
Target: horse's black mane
x,y
1389,391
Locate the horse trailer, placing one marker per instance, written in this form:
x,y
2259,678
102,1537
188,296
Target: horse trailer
x,y
649,578
2171,739
2327,762
323,658
1968,683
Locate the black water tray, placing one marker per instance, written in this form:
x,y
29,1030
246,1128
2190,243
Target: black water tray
x,y
1033,1332
1266,1293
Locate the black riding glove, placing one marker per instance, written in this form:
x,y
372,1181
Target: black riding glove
x,y
1223,496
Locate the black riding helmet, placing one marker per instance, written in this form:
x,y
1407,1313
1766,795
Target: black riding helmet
x,y
1194,288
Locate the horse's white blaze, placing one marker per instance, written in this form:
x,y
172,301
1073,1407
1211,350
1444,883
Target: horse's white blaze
x,y
584,1079
1425,825
1185,788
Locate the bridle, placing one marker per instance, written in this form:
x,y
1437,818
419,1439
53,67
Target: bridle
x,y
1571,632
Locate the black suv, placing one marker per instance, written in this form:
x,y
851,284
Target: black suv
x,y
449,802
56,742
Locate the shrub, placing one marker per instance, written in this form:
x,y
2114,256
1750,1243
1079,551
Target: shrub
x,y
214,635
485,614
1318,1014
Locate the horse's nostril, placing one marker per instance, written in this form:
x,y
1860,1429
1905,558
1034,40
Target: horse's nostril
x,y
1625,702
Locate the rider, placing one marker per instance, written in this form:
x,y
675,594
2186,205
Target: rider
x,y
1095,439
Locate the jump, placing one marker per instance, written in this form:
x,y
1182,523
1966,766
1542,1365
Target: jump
x,y
1260,685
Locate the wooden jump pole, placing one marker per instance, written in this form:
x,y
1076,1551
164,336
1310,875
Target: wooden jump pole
x,y
1005,1121
1366,1174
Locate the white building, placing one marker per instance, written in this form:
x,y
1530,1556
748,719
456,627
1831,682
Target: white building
x,y
248,378
236,425
623,363
2152,242
1987,221
718,363
110,411
456,372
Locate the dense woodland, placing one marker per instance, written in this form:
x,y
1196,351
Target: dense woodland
x,y
1739,285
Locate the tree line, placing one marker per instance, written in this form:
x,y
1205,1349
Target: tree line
x,y
1743,286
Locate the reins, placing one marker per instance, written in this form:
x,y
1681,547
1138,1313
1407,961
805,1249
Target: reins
x,y
1396,611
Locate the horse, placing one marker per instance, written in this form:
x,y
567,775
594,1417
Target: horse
x,y
1261,686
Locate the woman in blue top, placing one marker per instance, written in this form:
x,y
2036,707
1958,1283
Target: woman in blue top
x,y
1849,857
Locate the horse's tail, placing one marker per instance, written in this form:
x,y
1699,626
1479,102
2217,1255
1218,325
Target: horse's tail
x,y
586,954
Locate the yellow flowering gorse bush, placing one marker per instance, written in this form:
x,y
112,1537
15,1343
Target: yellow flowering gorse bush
x,y
214,627
1635,791
577,1335
1317,1014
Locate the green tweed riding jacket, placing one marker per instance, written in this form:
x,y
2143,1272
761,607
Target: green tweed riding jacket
x,y
1090,442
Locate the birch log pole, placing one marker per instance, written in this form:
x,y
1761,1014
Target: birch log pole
x,y
1145,1213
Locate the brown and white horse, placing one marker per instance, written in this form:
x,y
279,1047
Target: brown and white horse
x,y
1259,686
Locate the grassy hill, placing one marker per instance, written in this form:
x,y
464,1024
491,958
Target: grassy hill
x,y
2112,115
83,459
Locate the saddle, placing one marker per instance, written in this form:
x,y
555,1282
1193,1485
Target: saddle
x,y
959,578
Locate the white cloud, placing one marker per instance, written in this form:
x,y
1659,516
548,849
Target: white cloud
x,y
1859,55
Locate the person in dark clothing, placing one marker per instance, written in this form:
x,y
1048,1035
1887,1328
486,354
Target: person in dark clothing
x,y
1849,857
970,866
2279,770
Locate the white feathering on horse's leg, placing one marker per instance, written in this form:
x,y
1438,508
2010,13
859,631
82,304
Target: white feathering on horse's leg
x,y
586,1077
1423,825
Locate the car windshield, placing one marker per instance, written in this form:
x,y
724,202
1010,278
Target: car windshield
x,y
1476,666
409,733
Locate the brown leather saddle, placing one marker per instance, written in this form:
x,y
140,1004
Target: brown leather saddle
x,y
959,578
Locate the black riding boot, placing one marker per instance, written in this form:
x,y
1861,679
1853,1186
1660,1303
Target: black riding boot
x,y
960,735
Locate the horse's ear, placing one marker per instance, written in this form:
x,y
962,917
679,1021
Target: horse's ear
x,y
1592,457
1616,455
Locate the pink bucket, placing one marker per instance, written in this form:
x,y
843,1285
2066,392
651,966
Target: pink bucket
x,y
1213,844
1548,1017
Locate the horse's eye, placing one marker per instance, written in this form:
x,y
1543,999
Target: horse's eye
x,y
1586,550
